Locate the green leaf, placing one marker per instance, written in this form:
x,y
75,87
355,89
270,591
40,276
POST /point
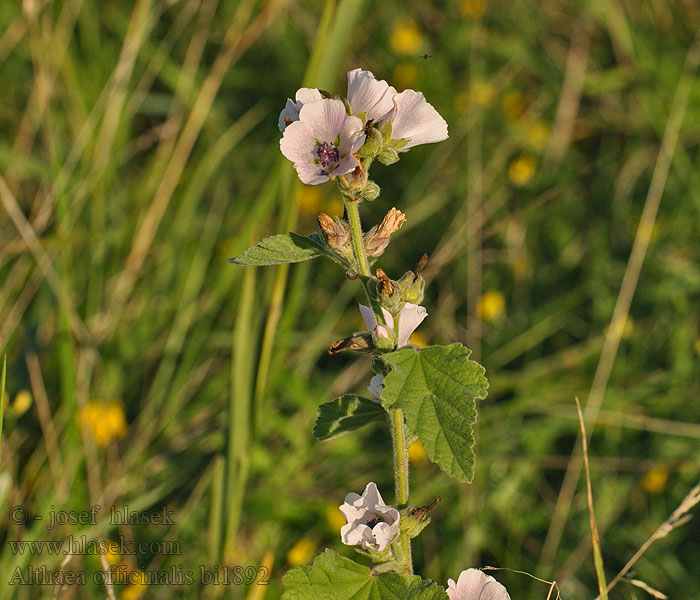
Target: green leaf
x,y
333,577
436,387
347,413
284,248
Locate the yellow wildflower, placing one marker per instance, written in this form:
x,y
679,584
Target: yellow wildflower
x,y
522,169
655,479
105,420
22,402
406,38
491,305
538,135
405,76
301,552
112,552
334,518
697,346
309,199
417,453
473,8
137,588
513,104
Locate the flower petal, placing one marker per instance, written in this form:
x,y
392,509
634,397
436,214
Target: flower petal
x,y
410,317
474,584
415,120
326,118
369,96
371,320
383,534
297,143
307,95
376,385
290,111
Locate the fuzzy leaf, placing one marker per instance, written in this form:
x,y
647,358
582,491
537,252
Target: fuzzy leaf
x,y
436,387
333,577
280,249
346,413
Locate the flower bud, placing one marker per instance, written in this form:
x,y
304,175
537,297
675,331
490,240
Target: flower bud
x,y
356,180
383,338
370,191
389,293
377,238
412,283
412,287
388,155
413,520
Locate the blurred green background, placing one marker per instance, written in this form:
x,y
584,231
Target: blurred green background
x,y
139,150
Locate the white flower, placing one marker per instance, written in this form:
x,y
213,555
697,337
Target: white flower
x,y
474,584
290,113
410,317
415,120
322,142
376,386
370,523
369,96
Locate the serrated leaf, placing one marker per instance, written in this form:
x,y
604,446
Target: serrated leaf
x,y
280,249
436,387
333,577
344,414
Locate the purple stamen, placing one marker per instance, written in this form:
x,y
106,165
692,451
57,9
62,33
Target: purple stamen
x,y
327,154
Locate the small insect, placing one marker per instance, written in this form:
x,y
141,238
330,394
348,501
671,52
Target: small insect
x,y
425,56
368,126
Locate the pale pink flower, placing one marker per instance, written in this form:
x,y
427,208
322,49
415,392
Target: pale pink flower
x,y
291,109
370,523
474,584
414,120
322,142
368,95
410,317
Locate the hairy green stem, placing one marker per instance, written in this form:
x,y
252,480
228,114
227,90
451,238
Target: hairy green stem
x,y
398,432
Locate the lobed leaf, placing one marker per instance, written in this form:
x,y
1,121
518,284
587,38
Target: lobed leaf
x,y
333,577
437,388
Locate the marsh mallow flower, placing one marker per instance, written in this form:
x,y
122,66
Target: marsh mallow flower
x,y
415,121
367,95
370,523
410,317
474,584
322,142
290,113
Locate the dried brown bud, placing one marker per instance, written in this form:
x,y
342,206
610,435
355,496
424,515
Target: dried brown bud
x,y
360,342
418,269
335,231
385,288
377,238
